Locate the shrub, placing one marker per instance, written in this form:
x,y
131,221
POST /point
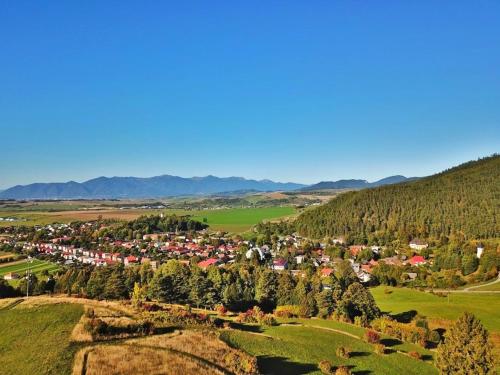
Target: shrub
x,y
415,355
221,310
379,348
434,337
326,368
96,327
372,337
89,313
268,320
343,352
343,370
240,363
287,311
361,321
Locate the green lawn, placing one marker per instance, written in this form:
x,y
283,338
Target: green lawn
x,y
20,267
230,220
36,340
299,349
240,219
484,306
488,288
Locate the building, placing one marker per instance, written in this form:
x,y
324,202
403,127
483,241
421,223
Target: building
x,y
480,251
280,264
208,262
417,260
11,276
418,244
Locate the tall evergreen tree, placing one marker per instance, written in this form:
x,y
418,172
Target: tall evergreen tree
x,y
466,349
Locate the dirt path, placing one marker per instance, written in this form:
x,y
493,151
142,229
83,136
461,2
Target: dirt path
x,y
325,329
470,289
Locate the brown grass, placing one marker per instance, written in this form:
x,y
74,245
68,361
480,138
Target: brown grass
x,y
137,360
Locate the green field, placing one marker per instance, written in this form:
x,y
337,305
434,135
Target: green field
x,y
241,219
488,288
289,349
20,267
230,220
36,340
484,306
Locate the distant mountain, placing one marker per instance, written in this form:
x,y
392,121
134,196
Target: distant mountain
x,y
134,187
462,202
357,184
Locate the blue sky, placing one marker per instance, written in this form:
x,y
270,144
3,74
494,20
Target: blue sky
x,y
291,91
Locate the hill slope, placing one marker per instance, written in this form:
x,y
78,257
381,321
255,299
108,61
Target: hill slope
x,y
464,199
134,187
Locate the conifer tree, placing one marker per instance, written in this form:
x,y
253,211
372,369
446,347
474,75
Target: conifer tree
x,y
466,349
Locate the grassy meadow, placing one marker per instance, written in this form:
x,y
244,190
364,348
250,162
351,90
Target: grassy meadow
x,y
37,340
297,349
235,220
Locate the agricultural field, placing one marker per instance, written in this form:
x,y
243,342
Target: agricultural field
x,y
20,267
231,220
37,340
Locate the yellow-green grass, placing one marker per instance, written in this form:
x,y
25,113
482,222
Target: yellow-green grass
x,y
489,288
36,267
36,340
231,220
289,349
400,300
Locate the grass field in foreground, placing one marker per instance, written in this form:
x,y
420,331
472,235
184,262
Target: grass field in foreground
x,y
484,306
36,340
299,349
231,220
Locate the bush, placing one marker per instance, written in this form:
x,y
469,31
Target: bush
x,y
326,368
379,349
288,311
372,337
221,310
240,363
96,327
268,320
343,352
343,370
434,337
415,355
89,313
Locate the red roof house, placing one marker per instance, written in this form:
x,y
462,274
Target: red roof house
x,y
417,260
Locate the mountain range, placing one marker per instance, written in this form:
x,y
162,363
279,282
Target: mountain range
x,y
357,184
169,186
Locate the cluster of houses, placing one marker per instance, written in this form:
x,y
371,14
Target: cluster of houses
x,y
158,247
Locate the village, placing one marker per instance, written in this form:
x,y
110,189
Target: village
x,y
206,249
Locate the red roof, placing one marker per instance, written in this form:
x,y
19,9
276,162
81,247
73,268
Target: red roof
x,y
208,262
326,272
417,259
131,259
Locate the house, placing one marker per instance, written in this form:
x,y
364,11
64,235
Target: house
x,y
11,276
355,250
326,272
280,264
480,251
130,260
208,262
418,244
417,260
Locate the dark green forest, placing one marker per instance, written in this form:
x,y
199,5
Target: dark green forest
x,y
462,202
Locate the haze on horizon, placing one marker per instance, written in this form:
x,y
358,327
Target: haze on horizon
x,y
295,93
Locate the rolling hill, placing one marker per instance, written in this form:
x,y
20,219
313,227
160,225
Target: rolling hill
x,y
134,187
464,201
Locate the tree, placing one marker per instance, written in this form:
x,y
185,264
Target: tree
x,y
325,303
358,301
466,349
286,285
266,290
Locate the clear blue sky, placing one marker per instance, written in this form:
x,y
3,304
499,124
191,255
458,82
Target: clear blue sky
x,y
292,91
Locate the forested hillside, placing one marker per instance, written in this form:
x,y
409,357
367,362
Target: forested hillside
x,y
463,201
